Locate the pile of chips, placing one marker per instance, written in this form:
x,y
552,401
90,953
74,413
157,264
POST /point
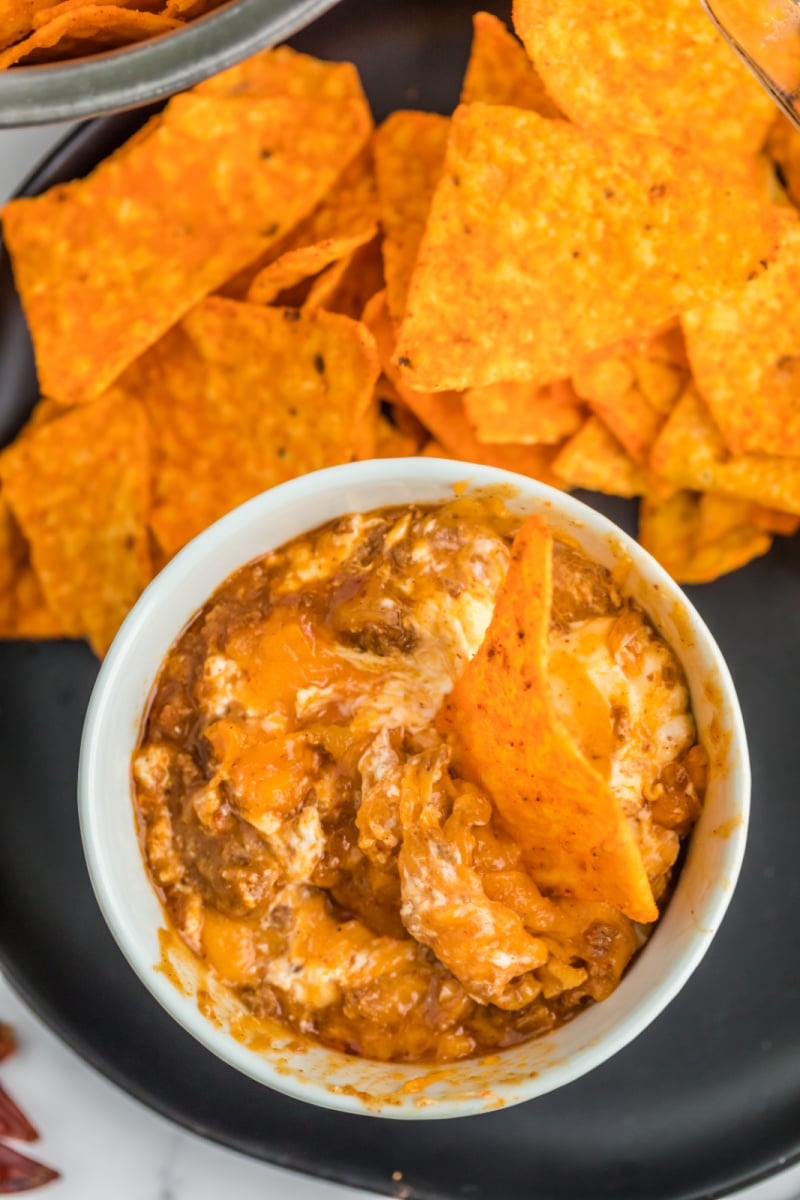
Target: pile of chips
x,y
44,31
585,275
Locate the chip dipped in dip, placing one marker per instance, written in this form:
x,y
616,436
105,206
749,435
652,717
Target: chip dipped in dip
x,y
415,783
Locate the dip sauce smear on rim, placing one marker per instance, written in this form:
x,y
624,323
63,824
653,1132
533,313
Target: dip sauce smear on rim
x,y
320,839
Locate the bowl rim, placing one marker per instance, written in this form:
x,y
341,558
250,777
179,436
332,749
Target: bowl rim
x,y
112,676
155,69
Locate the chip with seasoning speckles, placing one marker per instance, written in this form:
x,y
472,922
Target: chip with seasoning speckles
x,y
106,265
409,149
443,413
507,736
240,397
302,263
500,72
347,286
657,67
514,279
345,218
745,354
691,451
79,486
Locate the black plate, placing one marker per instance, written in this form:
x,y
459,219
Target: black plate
x,y
705,1101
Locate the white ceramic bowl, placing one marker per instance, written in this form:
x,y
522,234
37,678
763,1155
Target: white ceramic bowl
x,y
307,1071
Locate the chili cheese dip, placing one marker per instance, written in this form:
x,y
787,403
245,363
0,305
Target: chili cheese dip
x,y
303,819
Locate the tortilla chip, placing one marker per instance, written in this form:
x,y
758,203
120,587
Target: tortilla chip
x,y
773,521
434,449
23,612
348,212
594,459
398,413
57,8
632,388
296,265
391,443
442,413
514,279
319,291
517,412
241,397
86,30
347,286
634,423
767,33
718,515
12,546
500,72
105,265
656,67
80,489
507,736
691,451
745,355
409,149
660,382
188,10
285,72
783,149
18,19
699,538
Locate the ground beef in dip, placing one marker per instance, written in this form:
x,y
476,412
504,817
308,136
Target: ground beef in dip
x,y
300,816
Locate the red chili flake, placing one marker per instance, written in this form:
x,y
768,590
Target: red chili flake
x,y
13,1122
21,1174
8,1043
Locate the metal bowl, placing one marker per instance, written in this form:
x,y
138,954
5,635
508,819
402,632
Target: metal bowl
x,y
151,70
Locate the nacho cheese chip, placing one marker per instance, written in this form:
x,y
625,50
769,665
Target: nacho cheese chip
x,y
304,262
745,354
56,9
656,67
514,278
594,459
518,412
349,210
285,72
633,387
87,29
105,265
699,538
18,19
80,488
690,451
241,397
783,149
500,72
409,149
23,611
570,825
442,413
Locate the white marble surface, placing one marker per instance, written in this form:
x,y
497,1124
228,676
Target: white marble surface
x,y
105,1144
